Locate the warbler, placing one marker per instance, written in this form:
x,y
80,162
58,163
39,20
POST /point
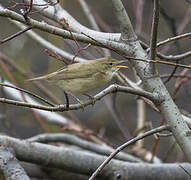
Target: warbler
x,y
79,78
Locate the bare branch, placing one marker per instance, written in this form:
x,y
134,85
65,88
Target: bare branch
x,y
182,36
168,108
126,27
15,35
88,14
60,32
46,44
57,13
92,21
27,92
148,133
175,57
153,41
10,166
85,162
110,89
167,57
74,140
50,117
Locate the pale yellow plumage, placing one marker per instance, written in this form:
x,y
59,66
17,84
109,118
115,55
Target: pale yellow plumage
x,y
82,77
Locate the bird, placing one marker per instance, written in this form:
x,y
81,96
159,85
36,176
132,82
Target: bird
x,y
82,77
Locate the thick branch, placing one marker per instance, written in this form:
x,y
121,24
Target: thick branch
x,y
60,32
126,27
168,108
86,145
61,16
10,166
85,162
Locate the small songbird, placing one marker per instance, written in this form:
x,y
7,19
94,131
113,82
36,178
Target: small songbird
x,y
79,78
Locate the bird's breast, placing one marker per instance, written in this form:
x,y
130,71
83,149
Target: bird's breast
x,y
83,85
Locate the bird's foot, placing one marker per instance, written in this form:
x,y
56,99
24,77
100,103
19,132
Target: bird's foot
x,y
91,98
77,99
67,101
80,102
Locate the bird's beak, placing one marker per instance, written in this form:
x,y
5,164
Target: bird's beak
x,y
120,66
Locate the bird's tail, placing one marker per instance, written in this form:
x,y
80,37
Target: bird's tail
x,y
38,78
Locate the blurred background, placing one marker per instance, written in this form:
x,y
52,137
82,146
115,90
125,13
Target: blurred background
x,y
33,60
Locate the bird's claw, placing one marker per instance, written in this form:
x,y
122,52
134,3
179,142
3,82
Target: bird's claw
x,y
93,100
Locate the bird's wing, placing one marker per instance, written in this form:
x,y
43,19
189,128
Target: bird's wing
x,y
69,72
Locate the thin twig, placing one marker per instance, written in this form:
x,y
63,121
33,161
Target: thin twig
x,y
56,52
28,92
138,6
154,31
179,83
159,62
185,35
140,59
185,21
15,35
88,14
120,148
166,57
179,57
28,10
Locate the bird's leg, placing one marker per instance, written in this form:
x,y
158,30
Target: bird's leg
x,y
77,99
67,101
90,97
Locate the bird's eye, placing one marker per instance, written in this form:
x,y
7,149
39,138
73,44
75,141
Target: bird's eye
x,y
110,63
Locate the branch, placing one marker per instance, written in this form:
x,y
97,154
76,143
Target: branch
x,y
86,145
175,57
60,32
46,44
15,35
168,108
168,57
58,14
85,162
88,14
50,117
153,41
92,21
27,92
127,32
10,166
108,90
185,35
120,148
